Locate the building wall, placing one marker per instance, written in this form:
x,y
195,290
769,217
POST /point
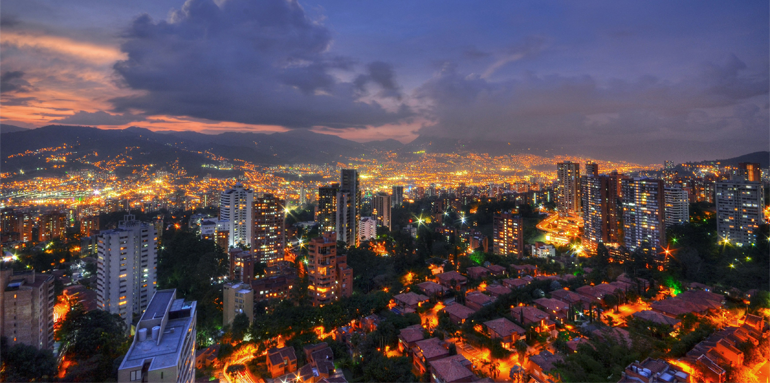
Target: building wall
x,y
568,193
268,234
236,301
327,207
643,212
677,206
348,207
235,206
27,309
127,268
367,228
739,211
382,206
508,234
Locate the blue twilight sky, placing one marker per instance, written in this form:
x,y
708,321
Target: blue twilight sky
x,y
642,81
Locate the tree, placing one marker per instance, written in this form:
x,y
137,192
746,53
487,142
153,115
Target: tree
x,y
240,325
23,363
93,340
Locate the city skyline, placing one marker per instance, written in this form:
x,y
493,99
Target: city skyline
x,y
685,81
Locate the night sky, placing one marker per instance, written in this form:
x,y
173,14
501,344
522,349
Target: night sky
x,y
644,81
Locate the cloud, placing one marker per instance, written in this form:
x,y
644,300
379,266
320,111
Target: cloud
x,y
721,101
253,62
84,51
531,46
98,118
382,74
13,81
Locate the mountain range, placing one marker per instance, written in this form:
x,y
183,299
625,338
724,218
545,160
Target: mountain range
x,y
294,146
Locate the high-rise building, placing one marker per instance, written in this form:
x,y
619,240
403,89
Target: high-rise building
x,y
348,207
237,298
126,267
367,228
235,206
508,234
677,206
163,349
751,171
398,196
52,225
329,276
326,214
739,211
568,193
267,235
599,210
89,224
381,211
10,230
643,213
241,265
592,169
26,308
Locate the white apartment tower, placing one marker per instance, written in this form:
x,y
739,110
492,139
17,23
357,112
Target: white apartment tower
x,y
127,267
677,206
568,193
163,349
739,211
235,206
367,228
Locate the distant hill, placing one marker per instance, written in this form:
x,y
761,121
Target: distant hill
x,y
148,147
5,128
762,158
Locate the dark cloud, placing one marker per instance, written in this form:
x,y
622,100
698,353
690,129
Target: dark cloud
x,y
14,82
17,101
381,74
8,21
475,53
256,62
719,102
98,118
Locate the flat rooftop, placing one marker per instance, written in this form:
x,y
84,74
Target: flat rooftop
x,y
158,304
164,355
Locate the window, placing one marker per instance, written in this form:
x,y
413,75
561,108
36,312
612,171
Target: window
x,y
136,375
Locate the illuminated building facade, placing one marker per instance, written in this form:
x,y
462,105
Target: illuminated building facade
x,y
382,204
508,234
751,171
126,268
52,225
599,210
643,212
89,224
26,306
739,211
367,228
329,276
592,169
241,265
235,206
677,206
326,215
348,207
267,235
397,196
568,193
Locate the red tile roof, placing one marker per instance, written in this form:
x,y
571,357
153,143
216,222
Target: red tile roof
x,y
453,368
504,327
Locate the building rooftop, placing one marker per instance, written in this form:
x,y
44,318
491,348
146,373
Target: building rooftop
x,y
504,327
453,368
165,351
459,311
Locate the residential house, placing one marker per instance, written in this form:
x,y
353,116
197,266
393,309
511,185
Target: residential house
x,y
458,313
497,290
478,272
408,337
409,302
428,350
505,330
432,289
452,369
445,279
476,300
281,361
